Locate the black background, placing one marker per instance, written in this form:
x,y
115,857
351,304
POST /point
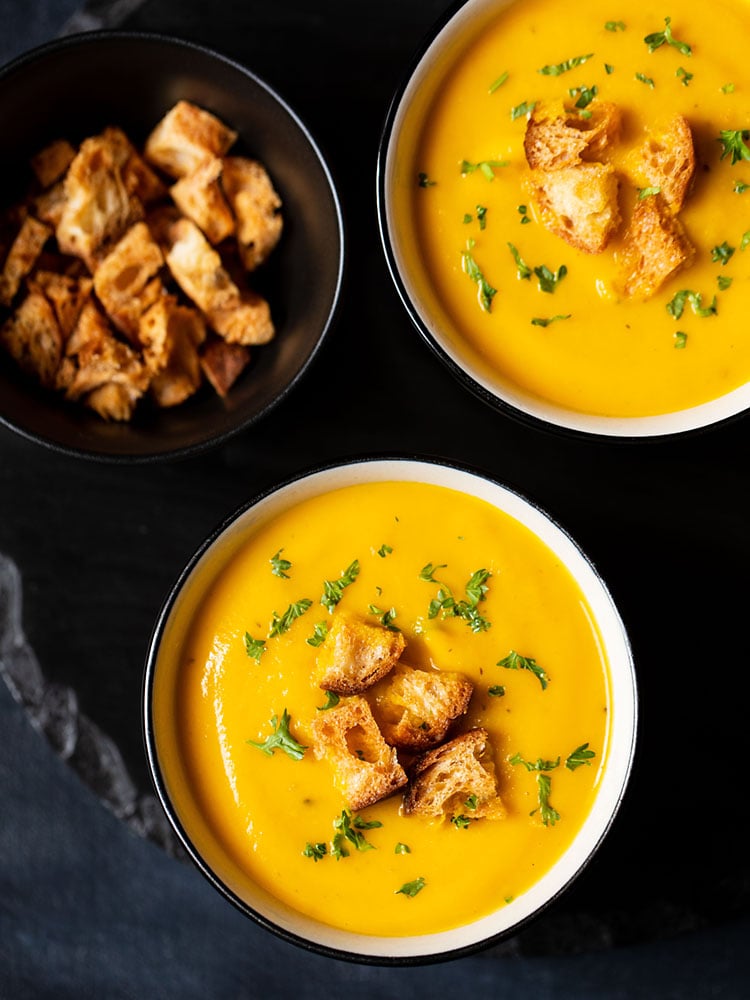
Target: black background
x,y
665,522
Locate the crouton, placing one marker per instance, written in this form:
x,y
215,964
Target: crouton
x,y
126,280
240,317
415,708
356,654
556,137
67,294
49,205
256,206
365,768
170,335
32,337
185,137
578,203
140,180
667,161
98,208
50,163
112,401
654,248
22,257
444,778
222,363
199,196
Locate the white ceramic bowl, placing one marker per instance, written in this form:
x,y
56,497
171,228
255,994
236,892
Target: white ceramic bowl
x,y
507,918
409,106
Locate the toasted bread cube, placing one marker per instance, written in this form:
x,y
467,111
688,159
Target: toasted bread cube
x,y
366,769
140,180
22,257
655,247
49,205
50,163
170,335
98,208
667,161
355,654
223,363
126,282
240,317
32,337
415,708
558,138
256,206
444,778
185,137
113,401
199,196
67,293
578,204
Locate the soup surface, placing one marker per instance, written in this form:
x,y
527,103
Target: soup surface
x,y
580,344
253,815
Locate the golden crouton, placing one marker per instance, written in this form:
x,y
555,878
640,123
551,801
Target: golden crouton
x,y
558,138
240,317
185,137
50,163
170,335
22,257
98,208
67,293
366,769
655,247
256,206
112,401
667,161
126,280
49,205
199,196
415,708
33,338
140,180
456,779
356,654
222,363
577,203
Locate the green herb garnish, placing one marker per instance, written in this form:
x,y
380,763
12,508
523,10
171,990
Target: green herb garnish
x,y
496,691
514,661
254,647
280,739
402,848
412,888
485,291
487,167
447,606
723,282
722,253
468,218
549,814
332,700
563,67
614,25
544,322
384,550
523,211
522,109
482,216
320,631
348,828
333,590
523,269
472,802
648,192
609,70
683,75
728,88
427,572
584,95
535,765
579,757
385,617
645,79
676,305
548,280
745,239
279,566
315,851
740,187
424,181
496,84
733,141
282,623
658,38
461,822
680,340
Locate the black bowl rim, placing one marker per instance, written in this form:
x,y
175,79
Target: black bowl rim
x,y
149,735
494,401
86,38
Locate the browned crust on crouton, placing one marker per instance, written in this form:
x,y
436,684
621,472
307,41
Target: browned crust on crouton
x,y
32,337
67,293
415,708
578,203
22,256
365,768
668,161
257,208
443,779
199,196
140,180
185,137
223,363
112,401
126,281
49,205
356,654
655,247
50,163
170,335
556,137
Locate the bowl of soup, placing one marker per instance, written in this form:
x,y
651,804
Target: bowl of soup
x,y
390,710
565,211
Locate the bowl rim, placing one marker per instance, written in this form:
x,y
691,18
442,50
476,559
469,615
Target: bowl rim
x,y
570,423
351,466
84,39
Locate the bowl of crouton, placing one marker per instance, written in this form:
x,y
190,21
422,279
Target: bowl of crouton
x,y
159,210
390,710
549,207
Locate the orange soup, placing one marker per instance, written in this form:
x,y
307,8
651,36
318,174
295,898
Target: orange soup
x,y
462,212
239,656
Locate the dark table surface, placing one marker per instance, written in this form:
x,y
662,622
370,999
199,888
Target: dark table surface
x,y
97,547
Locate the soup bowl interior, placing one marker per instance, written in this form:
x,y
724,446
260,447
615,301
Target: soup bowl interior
x,y
78,86
183,802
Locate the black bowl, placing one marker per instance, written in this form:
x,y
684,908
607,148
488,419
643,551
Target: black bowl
x,y
74,88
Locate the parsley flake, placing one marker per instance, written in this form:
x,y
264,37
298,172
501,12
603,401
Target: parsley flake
x,y
579,757
584,95
348,828
497,84
333,590
427,573
520,110
740,187
549,814
608,69
424,181
315,851
412,888
680,340
461,822
280,566
682,74
320,631
676,305
496,691
522,268
485,291
514,661
614,26
446,605
402,848
723,282
544,322
523,211
482,216
745,239
280,739
254,647
563,67
658,38
282,623
384,550
648,192
722,253
386,617
728,88
549,280
734,143
332,700
645,79
487,167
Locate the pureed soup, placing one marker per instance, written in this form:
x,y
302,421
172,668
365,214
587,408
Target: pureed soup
x,y
544,316
238,660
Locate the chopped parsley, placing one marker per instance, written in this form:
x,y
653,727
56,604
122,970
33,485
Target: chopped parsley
x,y
472,802
734,143
614,26
682,74
485,291
728,88
549,814
523,211
520,110
584,95
658,38
523,269
497,84
608,69
482,216
402,848
384,550
320,631
333,590
514,661
348,828
487,167
496,691
461,822
545,321
280,739
535,765
427,572
548,280
254,647
424,181
648,192
315,851
282,623
280,566
676,305
680,340
724,282
332,700
468,218
563,67
446,605
385,617
645,79
722,253
579,757
740,187
745,239
412,888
